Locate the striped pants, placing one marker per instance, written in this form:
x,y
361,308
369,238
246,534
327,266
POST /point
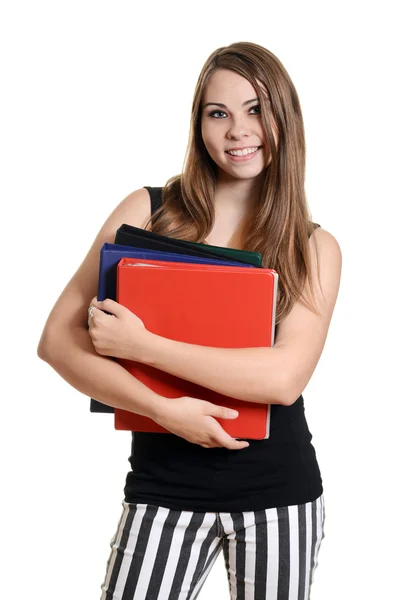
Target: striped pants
x,y
164,554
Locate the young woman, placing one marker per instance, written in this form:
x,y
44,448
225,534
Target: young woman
x,y
198,491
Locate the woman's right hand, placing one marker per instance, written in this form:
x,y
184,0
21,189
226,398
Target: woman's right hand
x,y
193,419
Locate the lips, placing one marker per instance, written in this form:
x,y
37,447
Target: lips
x,y
245,148
245,158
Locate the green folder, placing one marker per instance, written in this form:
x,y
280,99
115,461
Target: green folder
x,y
251,258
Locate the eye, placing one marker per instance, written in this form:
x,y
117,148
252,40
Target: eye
x,y
214,112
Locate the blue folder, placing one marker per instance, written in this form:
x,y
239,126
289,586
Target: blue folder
x,y
111,254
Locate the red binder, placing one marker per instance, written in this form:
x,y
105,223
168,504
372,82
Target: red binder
x,y
221,306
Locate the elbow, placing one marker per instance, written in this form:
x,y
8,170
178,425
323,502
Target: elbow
x,y
290,393
288,399
279,393
42,351
47,345
285,392
41,348
279,385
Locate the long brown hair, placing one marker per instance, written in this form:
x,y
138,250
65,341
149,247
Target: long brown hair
x,y
280,224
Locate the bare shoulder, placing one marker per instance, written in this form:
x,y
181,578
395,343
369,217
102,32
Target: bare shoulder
x,y
321,238
71,307
134,210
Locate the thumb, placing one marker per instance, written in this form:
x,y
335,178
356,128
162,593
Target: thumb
x,y
109,306
223,412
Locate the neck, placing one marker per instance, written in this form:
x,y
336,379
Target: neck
x,y
237,197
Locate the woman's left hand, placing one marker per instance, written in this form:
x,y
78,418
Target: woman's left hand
x,y
121,334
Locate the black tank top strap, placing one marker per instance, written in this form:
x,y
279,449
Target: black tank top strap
x,y
315,226
155,196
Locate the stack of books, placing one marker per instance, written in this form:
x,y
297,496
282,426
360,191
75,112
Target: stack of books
x,y
193,293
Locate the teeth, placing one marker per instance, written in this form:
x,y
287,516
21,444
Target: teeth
x,y
242,152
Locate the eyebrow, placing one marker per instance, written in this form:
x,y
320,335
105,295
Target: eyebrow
x,y
224,106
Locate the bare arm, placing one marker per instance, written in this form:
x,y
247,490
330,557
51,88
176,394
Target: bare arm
x,y
75,359
65,343
67,347
248,374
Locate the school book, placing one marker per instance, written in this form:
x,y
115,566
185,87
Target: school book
x,y
110,254
209,305
128,235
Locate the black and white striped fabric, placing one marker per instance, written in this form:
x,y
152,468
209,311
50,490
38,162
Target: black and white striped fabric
x,y
162,554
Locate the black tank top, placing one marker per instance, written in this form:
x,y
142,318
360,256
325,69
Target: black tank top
x,y
279,471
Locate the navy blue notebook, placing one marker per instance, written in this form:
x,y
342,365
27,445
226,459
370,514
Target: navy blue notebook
x,y
111,254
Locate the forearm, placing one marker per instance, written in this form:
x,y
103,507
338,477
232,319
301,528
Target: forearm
x,y
96,376
249,374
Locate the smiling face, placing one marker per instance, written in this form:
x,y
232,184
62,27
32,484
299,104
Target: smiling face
x,y
231,119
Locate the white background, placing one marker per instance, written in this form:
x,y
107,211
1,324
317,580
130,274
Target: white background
x,y
96,103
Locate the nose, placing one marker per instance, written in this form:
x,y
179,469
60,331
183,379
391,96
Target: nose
x,y
238,129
